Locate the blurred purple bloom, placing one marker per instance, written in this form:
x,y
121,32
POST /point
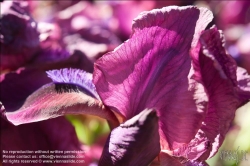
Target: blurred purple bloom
x,y
171,67
91,33
134,7
236,26
238,39
19,38
26,43
227,17
50,36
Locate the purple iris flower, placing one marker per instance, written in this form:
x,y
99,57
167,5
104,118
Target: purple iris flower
x,y
171,89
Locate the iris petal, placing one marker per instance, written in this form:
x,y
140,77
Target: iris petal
x,y
243,80
151,70
135,142
43,136
60,98
216,71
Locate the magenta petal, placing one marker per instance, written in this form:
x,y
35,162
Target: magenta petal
x,y
57,99
217,72
151,70
135,142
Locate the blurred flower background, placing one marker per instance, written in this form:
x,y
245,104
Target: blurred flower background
x,y
74,33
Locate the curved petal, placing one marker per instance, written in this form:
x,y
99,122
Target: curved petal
x,y
151,70
135,142
16,86
71,94
216,71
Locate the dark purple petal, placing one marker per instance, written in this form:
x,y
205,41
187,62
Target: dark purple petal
x,y
243,80
216,71
151,70
135,142
19,39
54,134
66,96
15,87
